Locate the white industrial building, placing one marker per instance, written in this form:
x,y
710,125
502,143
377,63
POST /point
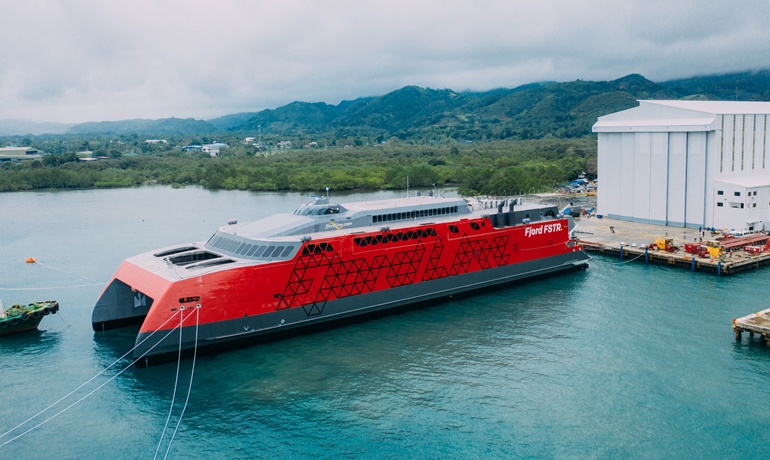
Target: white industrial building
x,y
686,164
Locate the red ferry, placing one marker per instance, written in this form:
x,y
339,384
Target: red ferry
x,y
329,262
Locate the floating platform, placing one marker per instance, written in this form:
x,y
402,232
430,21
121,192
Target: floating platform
x,y
755,323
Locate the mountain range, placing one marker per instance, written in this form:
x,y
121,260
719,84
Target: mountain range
x,y
560,109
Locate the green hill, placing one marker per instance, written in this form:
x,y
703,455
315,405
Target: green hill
x,y
144,127
425,115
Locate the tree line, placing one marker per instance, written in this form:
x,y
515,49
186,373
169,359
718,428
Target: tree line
x,y
495,168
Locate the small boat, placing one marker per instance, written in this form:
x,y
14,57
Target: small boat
x,y
19,317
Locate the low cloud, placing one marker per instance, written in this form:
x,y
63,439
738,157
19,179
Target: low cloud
x,y
92,60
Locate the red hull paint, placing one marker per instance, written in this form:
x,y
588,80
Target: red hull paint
x,y
345,265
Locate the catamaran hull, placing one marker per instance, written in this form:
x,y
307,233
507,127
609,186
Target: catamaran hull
x,y
162,345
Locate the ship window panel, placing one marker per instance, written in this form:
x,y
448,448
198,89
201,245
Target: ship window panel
x,y
378,238
737,193
278,251
252,249
240,248
287,251
268,251
432,232
720,192
260,250
720,204
229,246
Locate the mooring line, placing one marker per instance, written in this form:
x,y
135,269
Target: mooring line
x,y
189,388
89,381
51,287
629,260
65,271
173,396
92,391
87,394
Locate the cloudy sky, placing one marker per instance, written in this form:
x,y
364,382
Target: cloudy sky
x,y
92,60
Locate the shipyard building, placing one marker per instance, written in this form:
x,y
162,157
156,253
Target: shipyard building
x,y
686,164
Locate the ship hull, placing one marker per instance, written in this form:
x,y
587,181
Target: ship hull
x,y
162,345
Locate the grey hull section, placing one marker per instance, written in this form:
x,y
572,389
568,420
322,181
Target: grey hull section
x,y
289,321
119,306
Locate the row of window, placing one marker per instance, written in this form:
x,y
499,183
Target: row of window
x,y
414,214
722,192
318,211
385,238
317,248
266,251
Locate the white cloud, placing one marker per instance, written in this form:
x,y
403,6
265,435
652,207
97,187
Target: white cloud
x,y
94,60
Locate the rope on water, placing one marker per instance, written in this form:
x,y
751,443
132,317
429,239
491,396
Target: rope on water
x,y
58,313
173,396
87,394
65,271
51,287
189,388
629,260
86,383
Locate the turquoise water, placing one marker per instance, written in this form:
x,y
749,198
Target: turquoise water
x,y
622,360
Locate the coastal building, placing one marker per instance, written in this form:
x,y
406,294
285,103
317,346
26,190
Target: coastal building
x,y
19,153
686,164
213,149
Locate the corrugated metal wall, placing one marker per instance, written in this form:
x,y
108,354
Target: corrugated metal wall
x,y
657,178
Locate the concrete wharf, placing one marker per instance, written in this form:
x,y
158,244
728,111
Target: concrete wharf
x,y
630,241
755,323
